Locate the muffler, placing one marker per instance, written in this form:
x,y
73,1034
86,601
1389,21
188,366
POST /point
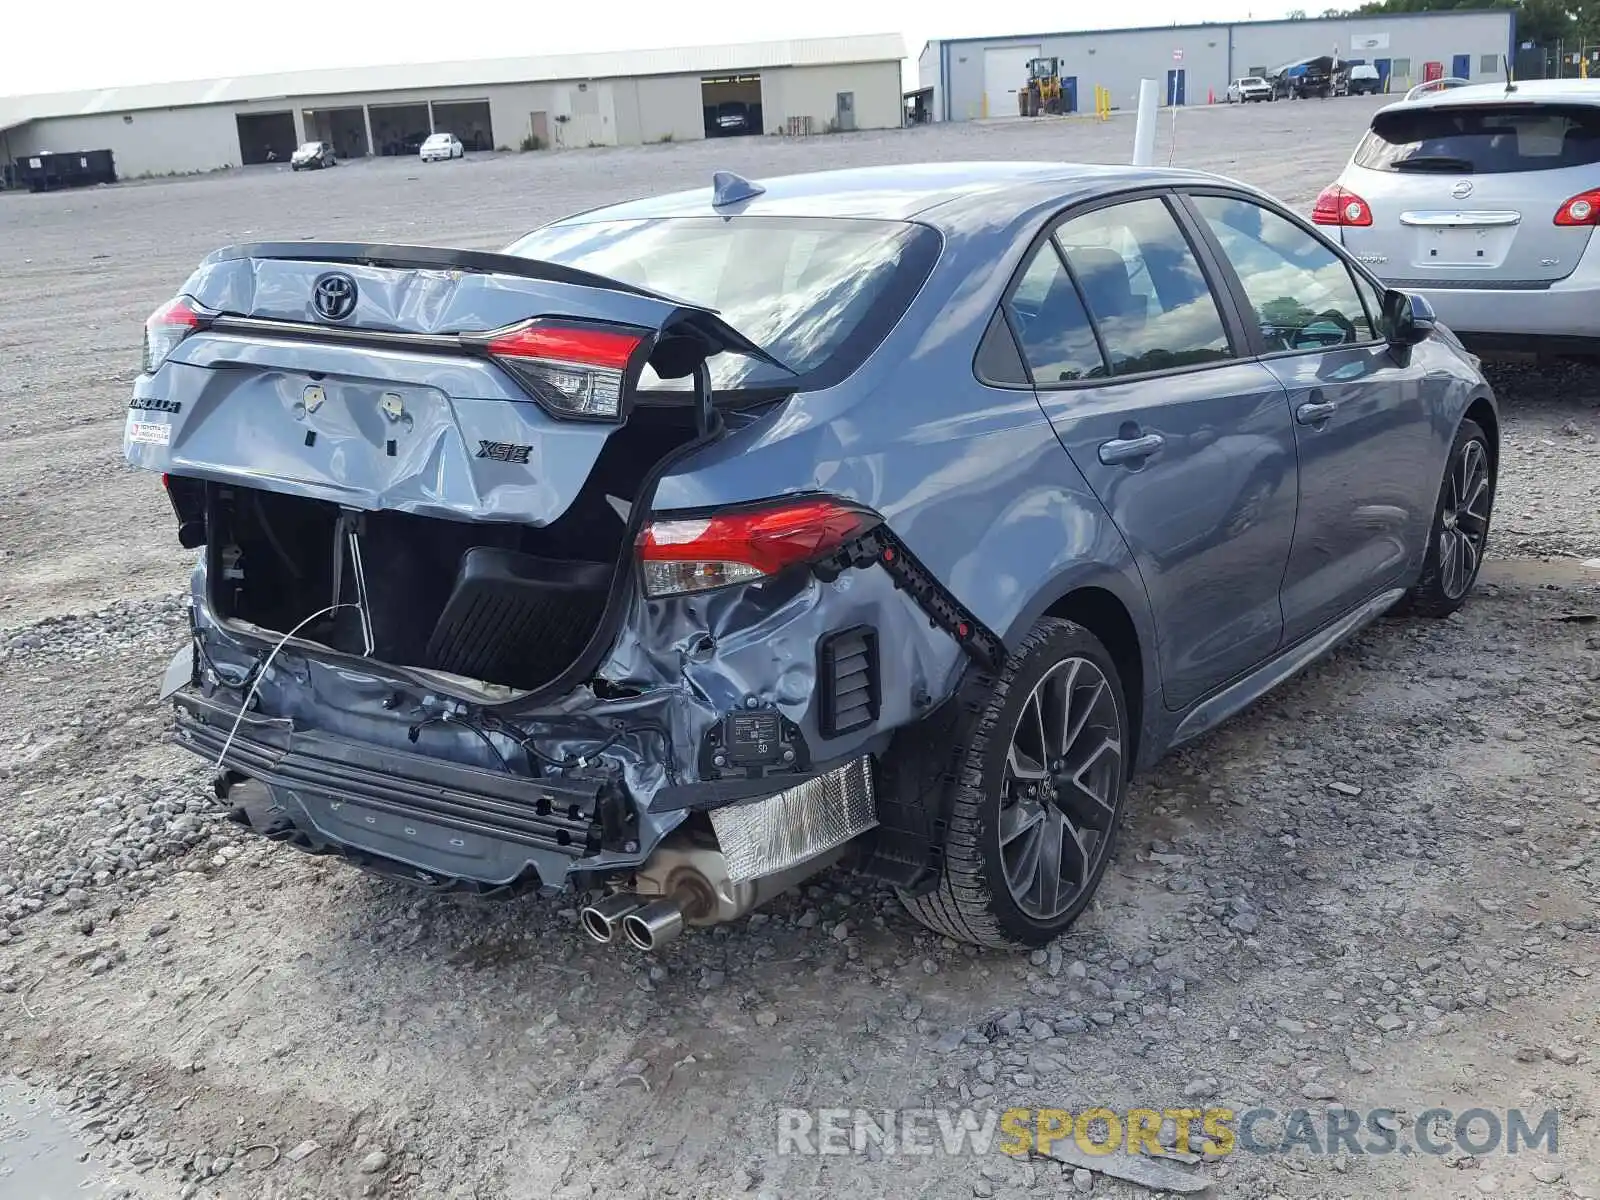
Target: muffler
x,y
752,853
601,919
654,925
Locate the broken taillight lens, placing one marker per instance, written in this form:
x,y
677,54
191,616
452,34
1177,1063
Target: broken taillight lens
x,y
1582,209
1338,205
576,370
695,554
165,328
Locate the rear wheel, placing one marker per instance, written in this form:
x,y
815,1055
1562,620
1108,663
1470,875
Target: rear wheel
x,y
1038,796
1460,530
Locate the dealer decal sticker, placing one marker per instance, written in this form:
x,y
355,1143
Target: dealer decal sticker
x,y
151,433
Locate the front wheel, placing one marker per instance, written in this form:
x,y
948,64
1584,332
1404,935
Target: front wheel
x,y
1460,530
1038,795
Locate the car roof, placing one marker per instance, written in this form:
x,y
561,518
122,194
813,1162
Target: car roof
x,y
937,193
1531,91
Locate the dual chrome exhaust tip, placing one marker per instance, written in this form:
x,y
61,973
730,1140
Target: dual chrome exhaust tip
x,y
643,925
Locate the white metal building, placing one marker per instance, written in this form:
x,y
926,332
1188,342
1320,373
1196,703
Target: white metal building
x,y
974,78
610,98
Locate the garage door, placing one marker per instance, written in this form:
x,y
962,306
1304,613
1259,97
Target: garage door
x,y
1005,71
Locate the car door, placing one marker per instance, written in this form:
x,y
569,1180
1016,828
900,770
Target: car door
x,y
1186,442
1361,424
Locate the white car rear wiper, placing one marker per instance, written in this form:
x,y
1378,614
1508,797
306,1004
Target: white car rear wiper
x,y
1435,162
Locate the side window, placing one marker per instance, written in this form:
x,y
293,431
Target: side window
x,y
1057,339
1144,288
998,363
1372,296
1302,293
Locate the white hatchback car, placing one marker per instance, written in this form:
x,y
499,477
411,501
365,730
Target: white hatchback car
x,y
441,146
1485,199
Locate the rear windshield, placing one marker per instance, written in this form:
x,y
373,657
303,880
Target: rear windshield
x,y
817,294
1483,139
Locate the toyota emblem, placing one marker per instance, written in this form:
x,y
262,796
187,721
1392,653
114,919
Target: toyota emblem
x,y
334,296
1462,190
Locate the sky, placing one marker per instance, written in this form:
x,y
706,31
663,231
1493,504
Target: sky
x,y
105,43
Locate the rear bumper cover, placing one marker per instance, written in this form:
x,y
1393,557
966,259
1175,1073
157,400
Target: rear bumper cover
x,y
1556,312
1567,308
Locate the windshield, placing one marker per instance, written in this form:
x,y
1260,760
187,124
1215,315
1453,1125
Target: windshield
x,y
1484,139
438,139
310,147
817,294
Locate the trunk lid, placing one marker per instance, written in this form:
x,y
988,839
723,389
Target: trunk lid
x,y
367,375
1465,194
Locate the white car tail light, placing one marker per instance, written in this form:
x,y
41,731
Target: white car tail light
x,y
1582,209
696,554
1338,205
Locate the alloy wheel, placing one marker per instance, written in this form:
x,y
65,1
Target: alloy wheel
x,y
1464,521
1062,782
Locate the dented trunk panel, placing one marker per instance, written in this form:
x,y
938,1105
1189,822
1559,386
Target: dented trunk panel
x,y
429,429
360,427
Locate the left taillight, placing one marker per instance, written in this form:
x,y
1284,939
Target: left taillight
x,y
1338,205
695,554
572,369
165,328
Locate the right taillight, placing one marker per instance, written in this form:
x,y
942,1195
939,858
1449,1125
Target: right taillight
x,y
1582,209
1338,205
573,369
696,554
165,328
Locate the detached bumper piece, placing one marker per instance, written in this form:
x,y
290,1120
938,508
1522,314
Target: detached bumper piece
x,y
943,610
436,820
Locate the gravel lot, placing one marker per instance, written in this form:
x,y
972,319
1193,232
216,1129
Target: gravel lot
x,y
1377,889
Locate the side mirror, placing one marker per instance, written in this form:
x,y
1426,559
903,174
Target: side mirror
x,y
1407,319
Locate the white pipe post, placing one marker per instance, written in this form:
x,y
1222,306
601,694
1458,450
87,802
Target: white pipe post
x,y
1144,132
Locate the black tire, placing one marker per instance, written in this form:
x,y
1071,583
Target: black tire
x,y
972,901
1444,586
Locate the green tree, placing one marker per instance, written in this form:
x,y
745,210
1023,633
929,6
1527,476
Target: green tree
x,y
1543,21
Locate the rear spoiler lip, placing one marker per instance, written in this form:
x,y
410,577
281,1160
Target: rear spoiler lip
x,y
441,258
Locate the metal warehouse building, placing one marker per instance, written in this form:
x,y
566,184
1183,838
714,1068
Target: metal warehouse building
x,y
604,99
975,78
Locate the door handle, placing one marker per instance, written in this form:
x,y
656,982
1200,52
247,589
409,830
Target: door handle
x,y
1314,412
1129,450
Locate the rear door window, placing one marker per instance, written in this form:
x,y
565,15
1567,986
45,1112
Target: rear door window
x,y
1483,139
1302,293
1057,339
1144,288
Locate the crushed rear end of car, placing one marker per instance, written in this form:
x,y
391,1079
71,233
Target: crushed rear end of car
x,y
437,627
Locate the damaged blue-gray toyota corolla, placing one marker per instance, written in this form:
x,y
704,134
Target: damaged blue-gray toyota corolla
x,y
884,517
